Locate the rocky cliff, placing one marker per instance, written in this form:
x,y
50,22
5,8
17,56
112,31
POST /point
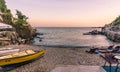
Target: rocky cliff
x,y
112,30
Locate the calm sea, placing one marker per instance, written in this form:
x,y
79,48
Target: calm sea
x,y
69,37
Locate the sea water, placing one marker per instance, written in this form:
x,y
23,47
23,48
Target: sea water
x,y
69,37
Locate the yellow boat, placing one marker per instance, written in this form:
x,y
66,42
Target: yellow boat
x,y
20,57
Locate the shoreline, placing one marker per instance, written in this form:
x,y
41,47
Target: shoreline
x,y
62,46
57,56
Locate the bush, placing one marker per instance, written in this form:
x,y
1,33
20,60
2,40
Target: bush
x,y
1,42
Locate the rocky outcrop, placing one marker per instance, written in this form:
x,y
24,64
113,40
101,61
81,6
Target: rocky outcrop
x,y
26,32
94,32
19,22
112,32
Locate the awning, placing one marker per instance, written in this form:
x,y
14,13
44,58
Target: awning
x,y
4,26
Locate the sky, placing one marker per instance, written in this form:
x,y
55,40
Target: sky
x,y
67,13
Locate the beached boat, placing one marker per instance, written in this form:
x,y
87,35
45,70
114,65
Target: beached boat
x,y
5,51
4,48
20,57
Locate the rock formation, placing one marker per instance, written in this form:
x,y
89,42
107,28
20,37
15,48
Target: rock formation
x,y
112,30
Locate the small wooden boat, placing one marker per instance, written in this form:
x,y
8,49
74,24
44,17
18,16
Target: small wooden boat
x,y
20,57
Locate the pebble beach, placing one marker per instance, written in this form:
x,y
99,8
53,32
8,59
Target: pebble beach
x,y
54,57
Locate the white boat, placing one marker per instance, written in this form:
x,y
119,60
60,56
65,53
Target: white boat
x,y
4,51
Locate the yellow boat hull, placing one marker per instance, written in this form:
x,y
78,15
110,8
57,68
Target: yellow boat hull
x,y
15,60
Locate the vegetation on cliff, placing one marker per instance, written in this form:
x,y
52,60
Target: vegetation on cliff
x,y
5,14
19,23
112,30
23,28
116,21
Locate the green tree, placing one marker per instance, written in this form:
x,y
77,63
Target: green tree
x,y
22,27
2,6
116,21
5,14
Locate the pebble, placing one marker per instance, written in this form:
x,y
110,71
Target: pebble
x,y
57,56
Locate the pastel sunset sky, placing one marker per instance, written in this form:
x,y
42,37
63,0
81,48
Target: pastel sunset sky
x,y
67,13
